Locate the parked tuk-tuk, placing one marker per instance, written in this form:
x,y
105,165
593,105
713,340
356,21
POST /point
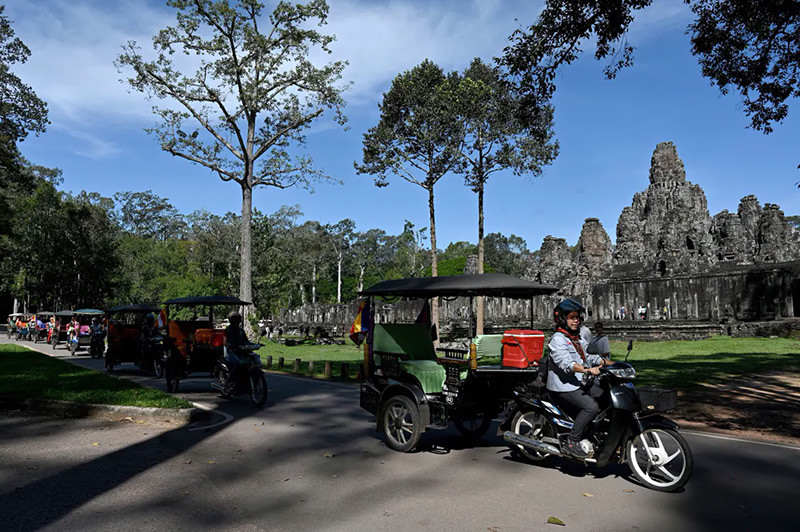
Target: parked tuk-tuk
x,y
41,329
11,325
412,387
194,342
81,336
59,332
126,342
22,330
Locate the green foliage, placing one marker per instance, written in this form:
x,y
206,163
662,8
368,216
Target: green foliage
x,y
750,46
506,254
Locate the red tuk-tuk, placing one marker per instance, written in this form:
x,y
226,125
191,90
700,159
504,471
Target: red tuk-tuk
x,y
194,342
125,341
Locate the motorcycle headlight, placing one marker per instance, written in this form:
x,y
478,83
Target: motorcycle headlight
x,y
623,373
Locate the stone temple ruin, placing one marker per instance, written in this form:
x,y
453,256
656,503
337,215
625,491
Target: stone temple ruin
x,y
673,257
696,270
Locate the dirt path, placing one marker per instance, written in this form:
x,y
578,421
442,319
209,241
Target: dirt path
x,y
764,407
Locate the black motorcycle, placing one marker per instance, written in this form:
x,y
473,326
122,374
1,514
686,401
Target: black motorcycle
x,y
152,356
249,377
629,428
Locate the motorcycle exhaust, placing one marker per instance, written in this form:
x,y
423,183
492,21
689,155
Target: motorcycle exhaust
x,y
217,386
516,439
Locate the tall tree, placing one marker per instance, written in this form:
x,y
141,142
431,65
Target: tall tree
x,y
750,46
497,138
149,215
341,237
252,97
371,248
417,137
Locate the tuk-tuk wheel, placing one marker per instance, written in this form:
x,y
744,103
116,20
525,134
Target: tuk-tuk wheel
x,y
473,427
172,379
400,423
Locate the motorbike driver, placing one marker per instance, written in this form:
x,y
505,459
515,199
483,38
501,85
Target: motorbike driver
x,y
234,338
568,361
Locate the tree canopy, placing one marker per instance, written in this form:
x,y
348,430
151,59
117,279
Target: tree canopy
x,y
750,46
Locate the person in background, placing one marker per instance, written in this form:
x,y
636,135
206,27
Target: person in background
x,y
598,345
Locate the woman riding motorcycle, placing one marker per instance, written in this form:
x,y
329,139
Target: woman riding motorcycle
x,y
568,360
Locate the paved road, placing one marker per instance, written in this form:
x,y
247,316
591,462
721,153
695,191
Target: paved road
x,y
311,460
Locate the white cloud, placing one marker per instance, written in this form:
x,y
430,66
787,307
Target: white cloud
x,y
74,44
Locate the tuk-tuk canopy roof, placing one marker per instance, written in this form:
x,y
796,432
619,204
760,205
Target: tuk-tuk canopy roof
x,y
483,284
64,313
44,313
21,315
134,308
206,300
88,312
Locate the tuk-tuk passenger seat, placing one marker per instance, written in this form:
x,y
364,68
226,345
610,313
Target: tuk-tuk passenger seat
x,y
413,345
211,337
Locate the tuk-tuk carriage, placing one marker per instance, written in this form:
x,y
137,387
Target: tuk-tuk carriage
x,y
42,329
60,332
125,342
11,325
193,345
82,338
22,331
412,387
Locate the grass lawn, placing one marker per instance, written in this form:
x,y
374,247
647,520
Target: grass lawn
x,y
674,364
337,354
26,373
686,364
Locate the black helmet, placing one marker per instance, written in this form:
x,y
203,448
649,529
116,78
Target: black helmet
x,y
564,308
150,319
235,316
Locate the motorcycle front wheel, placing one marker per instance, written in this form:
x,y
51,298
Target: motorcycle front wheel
x,y
258,388
660,459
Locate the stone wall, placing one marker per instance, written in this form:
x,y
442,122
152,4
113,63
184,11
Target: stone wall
x,y
670,252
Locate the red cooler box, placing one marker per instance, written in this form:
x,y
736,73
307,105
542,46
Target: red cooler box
x,y
522,348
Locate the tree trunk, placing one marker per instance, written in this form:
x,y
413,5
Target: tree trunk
x,y
480,300
434,266
361,269
245,263
314,284
339,280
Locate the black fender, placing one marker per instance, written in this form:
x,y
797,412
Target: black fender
x,y
640,423
523,402
411,391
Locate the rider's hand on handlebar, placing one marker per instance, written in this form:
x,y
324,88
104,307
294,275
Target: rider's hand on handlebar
x,y
595,370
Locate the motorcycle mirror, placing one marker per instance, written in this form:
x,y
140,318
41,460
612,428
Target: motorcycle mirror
x,y
630,348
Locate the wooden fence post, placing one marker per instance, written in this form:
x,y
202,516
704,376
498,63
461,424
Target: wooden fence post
x,y
269,361
310,367
328,368
280,362
296,366
345,369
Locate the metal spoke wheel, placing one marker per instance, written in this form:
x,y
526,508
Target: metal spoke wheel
x,y
258,388
660,459
535,426
400,423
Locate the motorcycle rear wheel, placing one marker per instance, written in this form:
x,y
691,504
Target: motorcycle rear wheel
x,y
660,459
258,389
531,425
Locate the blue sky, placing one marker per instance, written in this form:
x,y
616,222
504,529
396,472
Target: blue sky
x,y
607,129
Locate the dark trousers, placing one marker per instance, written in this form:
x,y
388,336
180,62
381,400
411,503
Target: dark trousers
x,y
586,400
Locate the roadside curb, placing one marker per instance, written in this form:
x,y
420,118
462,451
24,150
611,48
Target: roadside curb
x,y
113,412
